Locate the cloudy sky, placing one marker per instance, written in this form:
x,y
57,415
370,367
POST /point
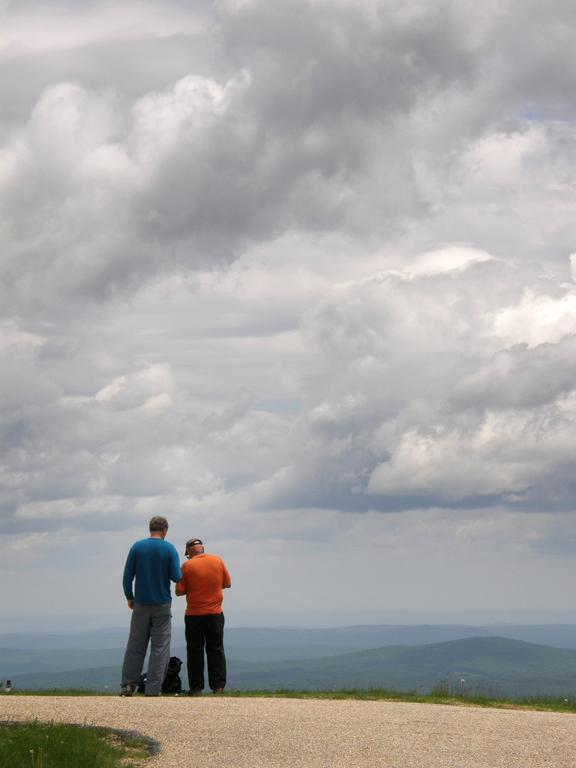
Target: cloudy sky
x,y
299,276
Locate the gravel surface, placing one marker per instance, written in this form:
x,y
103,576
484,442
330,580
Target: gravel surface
x,y
276,733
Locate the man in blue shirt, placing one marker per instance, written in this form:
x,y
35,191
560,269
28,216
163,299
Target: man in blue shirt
x,y
154,563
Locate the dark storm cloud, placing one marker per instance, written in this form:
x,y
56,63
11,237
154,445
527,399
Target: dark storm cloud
x,y
295,141
307,68
192,174
179,154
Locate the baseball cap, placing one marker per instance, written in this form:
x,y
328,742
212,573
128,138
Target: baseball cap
x,y
191,543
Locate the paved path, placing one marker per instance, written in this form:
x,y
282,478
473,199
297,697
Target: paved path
x,y
210,732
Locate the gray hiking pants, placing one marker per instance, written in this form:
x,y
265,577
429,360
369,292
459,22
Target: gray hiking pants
x,y
149,623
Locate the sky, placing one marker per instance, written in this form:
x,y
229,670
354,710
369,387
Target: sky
x,y
299,276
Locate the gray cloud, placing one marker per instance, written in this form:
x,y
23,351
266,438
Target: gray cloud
x,y
417,400
523,377
265,267
191,174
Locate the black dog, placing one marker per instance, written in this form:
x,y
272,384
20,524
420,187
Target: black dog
x,y
172,682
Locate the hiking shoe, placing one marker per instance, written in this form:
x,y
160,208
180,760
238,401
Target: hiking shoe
x,y
195,692
127,690
218,690
152,694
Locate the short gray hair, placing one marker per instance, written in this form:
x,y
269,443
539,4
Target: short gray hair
x,y
158,524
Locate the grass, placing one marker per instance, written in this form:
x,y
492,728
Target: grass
x,y
541,703
442,694
58,692
42,745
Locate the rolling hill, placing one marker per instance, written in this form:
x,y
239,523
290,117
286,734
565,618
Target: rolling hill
x,y
494,665
490,665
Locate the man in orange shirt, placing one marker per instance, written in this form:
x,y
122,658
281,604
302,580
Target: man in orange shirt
x,y
203,579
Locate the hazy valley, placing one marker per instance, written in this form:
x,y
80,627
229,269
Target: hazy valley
x,y
499,660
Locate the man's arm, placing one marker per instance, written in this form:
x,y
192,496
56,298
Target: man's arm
x,y
128,577
181,583
226,580
175,570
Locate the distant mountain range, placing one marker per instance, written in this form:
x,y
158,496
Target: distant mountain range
x,y
294,642
493,666
401,658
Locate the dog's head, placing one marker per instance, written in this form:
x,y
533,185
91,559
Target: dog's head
x,y
174,665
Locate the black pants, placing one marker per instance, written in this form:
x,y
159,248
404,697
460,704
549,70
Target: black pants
x,y
205,632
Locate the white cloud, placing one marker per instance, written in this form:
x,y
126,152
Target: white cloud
x,y
538,319
35,28
417,398
162,121
12,337
505,455
448,259
148,388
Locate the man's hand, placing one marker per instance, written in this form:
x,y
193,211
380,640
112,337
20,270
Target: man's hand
x,y
131,604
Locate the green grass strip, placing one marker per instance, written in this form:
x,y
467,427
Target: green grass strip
x,y
51,745
542,703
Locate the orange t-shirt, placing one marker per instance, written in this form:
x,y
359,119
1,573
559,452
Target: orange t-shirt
x,y
203,578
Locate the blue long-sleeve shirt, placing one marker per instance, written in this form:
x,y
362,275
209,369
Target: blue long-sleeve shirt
x,y
154,563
